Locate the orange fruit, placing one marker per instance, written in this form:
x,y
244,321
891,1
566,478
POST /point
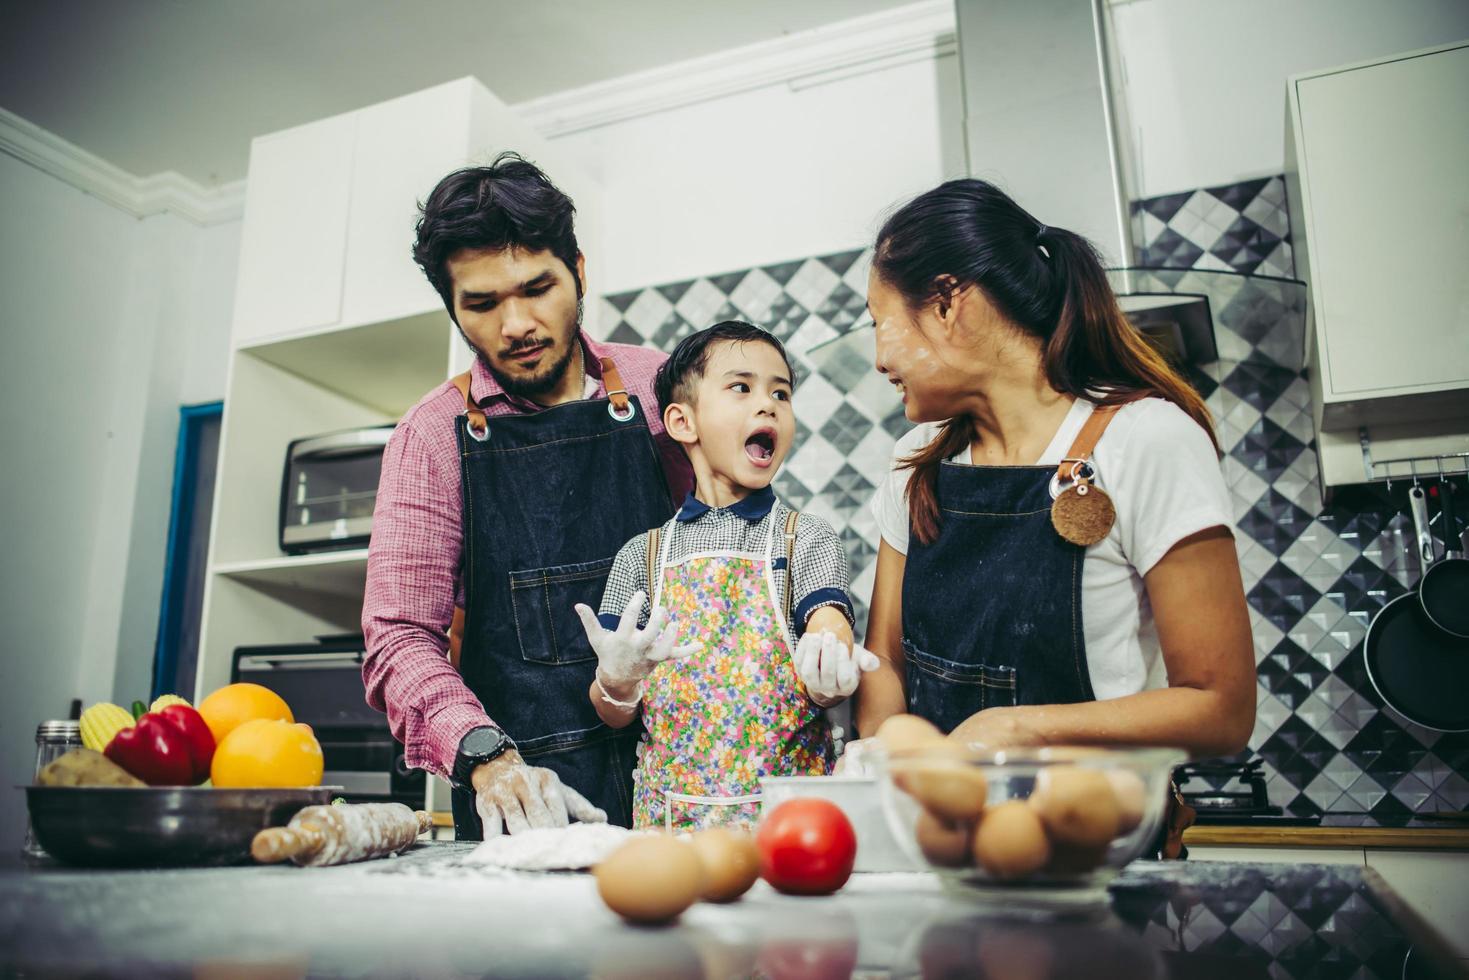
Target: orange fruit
x,y
267,752
231,706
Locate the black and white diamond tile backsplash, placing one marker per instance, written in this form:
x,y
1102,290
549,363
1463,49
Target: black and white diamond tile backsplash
x,y
1240,227
1313,575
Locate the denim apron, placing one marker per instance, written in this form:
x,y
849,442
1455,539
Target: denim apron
x,y
735,710
992,607
549,499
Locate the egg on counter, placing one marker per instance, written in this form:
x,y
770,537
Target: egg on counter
x,y
731,863
1077,805
651,879
1011,841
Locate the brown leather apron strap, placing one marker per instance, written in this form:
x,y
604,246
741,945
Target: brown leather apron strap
x,y
456,637
476,414
1085,443
616,390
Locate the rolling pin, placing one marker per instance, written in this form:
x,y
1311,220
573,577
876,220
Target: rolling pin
x,y
322,835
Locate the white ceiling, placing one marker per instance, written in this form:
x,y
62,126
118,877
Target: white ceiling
x,y
155,85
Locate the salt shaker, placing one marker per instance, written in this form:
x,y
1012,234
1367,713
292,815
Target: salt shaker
x,y
53,740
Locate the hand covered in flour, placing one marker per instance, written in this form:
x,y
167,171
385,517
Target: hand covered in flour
x,y
626,655
829,669
510,797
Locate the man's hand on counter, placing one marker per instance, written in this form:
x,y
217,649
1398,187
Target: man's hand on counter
x,y
511,796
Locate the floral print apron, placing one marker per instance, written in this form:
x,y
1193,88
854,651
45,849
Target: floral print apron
x,y
734,711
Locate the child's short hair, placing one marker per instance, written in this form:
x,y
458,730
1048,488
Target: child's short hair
x,y
680,374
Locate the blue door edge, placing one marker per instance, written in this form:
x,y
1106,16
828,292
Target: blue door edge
x,y
181,516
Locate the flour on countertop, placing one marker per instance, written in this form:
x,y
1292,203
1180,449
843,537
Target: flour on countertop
x,y
572,848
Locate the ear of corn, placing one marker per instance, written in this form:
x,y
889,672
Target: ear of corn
x,y
164,700
101,722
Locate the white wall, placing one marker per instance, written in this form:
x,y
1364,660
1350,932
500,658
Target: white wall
x,y
771,174
100,313
1205,79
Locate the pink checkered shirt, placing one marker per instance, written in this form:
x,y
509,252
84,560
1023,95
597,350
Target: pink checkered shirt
x,y
413,580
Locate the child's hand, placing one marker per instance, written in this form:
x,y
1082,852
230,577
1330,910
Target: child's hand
x,y
627,655
829,669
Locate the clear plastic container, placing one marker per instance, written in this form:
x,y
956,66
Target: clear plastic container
x,y
686,813
53,740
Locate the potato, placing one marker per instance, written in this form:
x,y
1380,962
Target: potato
x,y
85,767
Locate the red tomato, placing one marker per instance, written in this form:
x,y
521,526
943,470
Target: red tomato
x,y
807,847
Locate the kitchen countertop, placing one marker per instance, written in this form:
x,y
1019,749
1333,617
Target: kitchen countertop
x,y
1417,835
431,914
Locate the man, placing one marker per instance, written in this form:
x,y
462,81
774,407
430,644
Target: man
x,y
510,489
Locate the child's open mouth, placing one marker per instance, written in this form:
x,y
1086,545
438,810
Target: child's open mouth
x,y
760,447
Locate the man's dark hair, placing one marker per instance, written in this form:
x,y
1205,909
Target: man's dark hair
x,y
509,204
680,374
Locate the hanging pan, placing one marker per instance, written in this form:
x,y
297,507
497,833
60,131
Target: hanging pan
x,y
1419,670
1444,590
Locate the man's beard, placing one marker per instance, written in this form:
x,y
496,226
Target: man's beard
x,y
549,377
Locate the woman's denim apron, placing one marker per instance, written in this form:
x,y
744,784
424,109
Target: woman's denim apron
x,y
992,608
549,499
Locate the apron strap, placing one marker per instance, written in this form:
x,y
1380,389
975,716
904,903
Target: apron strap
x,y
1072,468
476,414
652,560
616,390
790,536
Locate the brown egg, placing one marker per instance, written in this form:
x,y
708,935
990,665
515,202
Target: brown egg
x,y
1011,841
1077,805
943,842
1132,798
731,863
1070,859
651,879
943,780
902,732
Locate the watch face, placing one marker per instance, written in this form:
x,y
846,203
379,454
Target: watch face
x,y
485,741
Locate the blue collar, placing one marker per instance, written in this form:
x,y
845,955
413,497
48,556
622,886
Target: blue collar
x,y
751,508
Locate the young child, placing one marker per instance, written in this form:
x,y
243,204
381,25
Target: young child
x,y
699,621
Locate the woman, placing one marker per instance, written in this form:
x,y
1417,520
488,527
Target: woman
x,y
1005,339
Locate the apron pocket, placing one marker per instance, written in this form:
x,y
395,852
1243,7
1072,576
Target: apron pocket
x,y
543,601
996,685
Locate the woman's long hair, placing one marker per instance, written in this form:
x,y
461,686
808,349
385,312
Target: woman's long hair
x,y
1049,282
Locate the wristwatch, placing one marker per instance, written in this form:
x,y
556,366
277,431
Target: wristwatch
x,y
479,746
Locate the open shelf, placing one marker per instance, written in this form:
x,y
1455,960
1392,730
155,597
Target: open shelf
x,y
386,366
332,573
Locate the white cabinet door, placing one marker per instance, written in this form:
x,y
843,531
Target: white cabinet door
x,y
1384,150
293,240
404,147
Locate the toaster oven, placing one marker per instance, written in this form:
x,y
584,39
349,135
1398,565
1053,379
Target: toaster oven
x,y
329,489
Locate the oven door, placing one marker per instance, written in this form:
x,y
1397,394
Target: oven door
x,y
330,488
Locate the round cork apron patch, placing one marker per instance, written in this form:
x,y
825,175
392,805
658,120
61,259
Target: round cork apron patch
x,y
1083,514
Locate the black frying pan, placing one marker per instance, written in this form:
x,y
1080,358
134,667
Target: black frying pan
x,y
1444,590
1419,670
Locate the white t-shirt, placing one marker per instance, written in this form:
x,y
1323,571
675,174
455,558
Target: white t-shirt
x,y
1163,475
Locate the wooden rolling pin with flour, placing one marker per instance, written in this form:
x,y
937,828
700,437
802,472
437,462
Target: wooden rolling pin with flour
x,y
322,835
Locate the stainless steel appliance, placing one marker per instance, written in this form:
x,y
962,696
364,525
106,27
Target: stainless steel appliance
x,y
1232,793
329,489
322,682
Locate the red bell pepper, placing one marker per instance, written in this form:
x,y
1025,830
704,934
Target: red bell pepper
x,y
171,747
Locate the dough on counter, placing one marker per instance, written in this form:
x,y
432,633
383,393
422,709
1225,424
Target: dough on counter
x,y
572,848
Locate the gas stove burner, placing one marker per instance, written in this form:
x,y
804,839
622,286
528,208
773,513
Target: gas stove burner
x,y
1231,792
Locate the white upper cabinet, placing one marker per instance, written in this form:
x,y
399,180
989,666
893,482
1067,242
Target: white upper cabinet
x,y
1376,161
403,148
330,208
293,242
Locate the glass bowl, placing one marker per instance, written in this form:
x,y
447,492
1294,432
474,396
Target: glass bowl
x,y
1028,828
